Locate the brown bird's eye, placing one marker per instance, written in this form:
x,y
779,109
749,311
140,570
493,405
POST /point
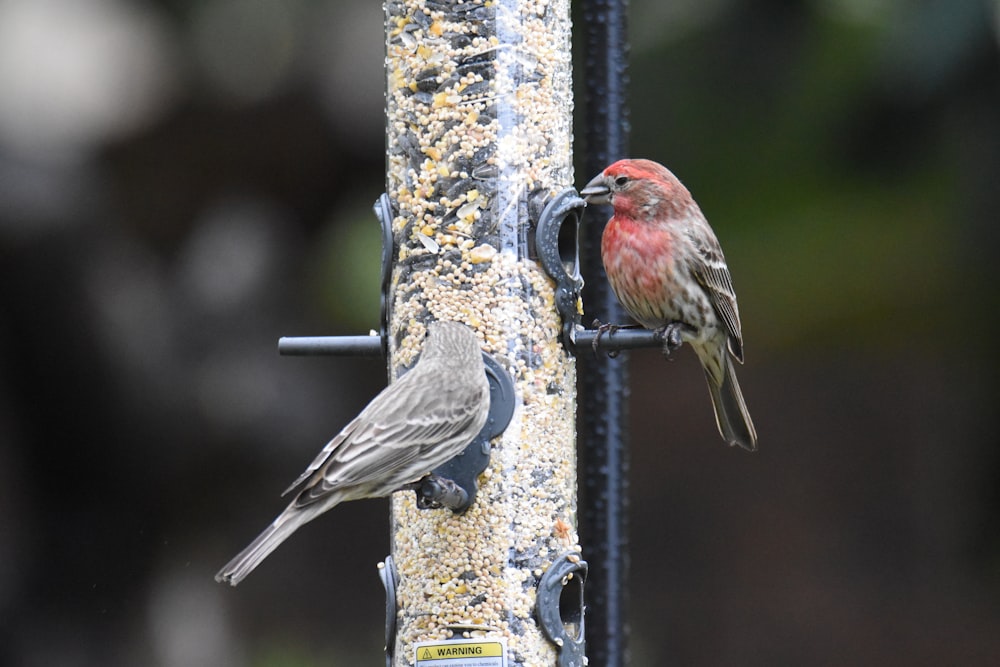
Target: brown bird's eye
x,y
621,180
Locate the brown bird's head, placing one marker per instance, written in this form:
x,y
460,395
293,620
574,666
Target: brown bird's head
x,y
638,189
453,342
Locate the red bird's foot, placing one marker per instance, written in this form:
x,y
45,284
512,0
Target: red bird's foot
x,y
671,335
609,329
602,329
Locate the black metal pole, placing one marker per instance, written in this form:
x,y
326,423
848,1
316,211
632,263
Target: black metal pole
x,y
603,381
371,346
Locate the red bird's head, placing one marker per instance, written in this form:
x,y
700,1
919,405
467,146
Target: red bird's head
x,y
640,189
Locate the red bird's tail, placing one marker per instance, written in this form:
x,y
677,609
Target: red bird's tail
x,y
731,413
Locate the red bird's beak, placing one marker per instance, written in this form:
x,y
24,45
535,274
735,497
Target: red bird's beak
x,y
597,191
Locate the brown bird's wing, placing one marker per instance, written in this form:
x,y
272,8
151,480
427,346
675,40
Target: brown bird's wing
x,y
712,274
387,442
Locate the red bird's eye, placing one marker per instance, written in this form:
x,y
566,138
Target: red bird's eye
x,y
621,180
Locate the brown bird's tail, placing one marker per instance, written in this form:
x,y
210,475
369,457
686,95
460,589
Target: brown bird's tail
x,y
731,413
280,530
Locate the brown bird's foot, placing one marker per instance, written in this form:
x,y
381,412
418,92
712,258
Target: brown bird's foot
x,y
609,329
434,492
671,335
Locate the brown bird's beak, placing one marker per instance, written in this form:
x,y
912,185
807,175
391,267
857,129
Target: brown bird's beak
x,y
597,191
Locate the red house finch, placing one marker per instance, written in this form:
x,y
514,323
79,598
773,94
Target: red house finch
x,y
414,425
667,269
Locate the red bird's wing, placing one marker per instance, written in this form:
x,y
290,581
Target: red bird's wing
x,y
712,274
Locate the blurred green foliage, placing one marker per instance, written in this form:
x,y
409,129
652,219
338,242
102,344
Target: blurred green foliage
x,y
842,226
347,267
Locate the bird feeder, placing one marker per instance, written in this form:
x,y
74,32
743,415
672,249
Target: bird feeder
x,y
478,136
480,225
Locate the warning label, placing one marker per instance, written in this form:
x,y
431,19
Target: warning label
x,y
462,653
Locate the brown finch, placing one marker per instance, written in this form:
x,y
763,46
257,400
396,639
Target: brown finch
x,y
667,269
417,423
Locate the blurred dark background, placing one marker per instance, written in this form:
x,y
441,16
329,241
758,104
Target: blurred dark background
x,y
181,183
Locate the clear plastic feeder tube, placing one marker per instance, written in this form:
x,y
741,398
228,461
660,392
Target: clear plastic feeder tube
x,y
478,134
